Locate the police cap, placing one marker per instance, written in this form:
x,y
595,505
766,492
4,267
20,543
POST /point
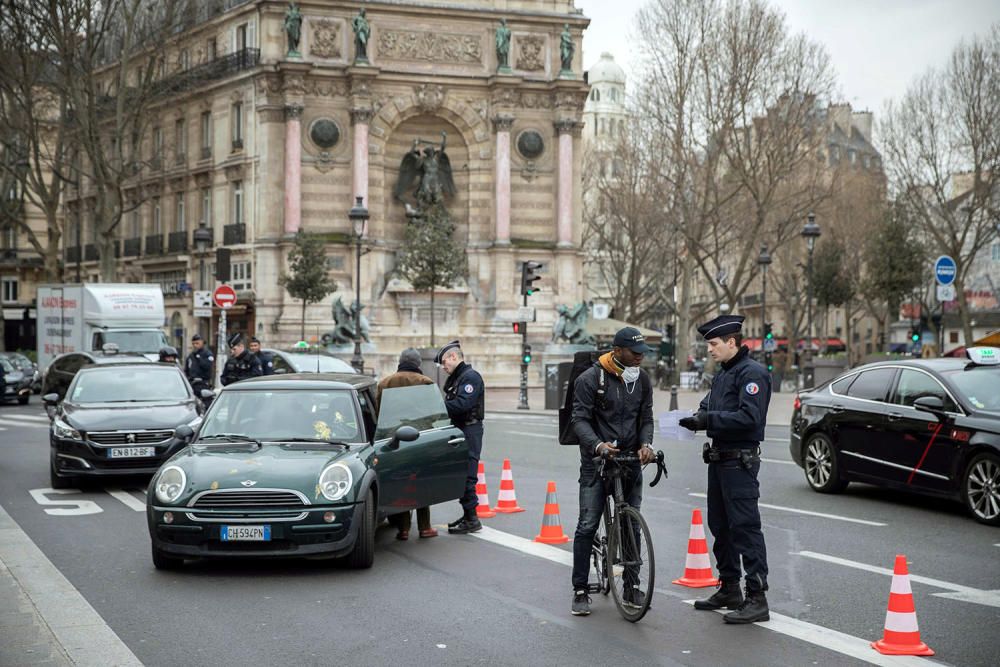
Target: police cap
x,y
453,345
723,325
235,339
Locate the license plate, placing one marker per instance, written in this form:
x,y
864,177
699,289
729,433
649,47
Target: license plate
x,y
131,452
246,534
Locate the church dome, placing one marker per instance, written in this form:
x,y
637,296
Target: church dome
x,y
606,71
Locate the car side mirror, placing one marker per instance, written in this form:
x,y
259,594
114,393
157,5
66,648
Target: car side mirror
x,y
403,434
50,399
931,404
207,393
184,432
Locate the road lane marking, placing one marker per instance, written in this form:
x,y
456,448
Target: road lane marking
x,y
783,462
795,510
532,435
22,424
127,499
832,640
34,418
70,507
959,592
81,631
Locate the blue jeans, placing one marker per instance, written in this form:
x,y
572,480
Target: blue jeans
x,y
593,496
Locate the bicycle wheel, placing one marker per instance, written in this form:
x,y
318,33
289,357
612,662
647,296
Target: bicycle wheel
x,y
598,557
630,564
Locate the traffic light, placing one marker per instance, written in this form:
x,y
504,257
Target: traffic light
x,y
526,354
915,336
529,274
768,334
519,327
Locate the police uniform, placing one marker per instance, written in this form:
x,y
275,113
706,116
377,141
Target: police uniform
x,y
241,367
464,397
198,368
734,414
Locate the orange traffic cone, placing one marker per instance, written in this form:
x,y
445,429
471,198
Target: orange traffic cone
x,y
507,500
552,532
697,566
902,637
483,510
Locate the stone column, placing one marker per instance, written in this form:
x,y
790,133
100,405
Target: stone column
x,y
564,217
293,168
502,126
360,119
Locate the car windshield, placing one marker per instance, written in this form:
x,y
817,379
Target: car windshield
x,y
978,386
285,414
308,363
7,366
144,342
129,385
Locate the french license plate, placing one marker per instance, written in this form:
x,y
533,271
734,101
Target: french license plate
x,y
131,452
246,534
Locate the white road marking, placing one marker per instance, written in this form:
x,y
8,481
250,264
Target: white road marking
x,y
127,499
795,510
532,435
833,640
34,418
782,461
22,424
840,642
959,592
73,507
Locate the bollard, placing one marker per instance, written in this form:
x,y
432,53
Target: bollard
x,y
673,397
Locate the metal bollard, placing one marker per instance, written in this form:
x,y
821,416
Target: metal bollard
x,y
673,397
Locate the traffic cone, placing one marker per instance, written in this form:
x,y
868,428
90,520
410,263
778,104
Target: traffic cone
x,y
902,637
483,510
552,532
697,566
507,500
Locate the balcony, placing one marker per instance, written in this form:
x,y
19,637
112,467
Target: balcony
x,y
133,247
238,61
234,234
177,241
154,244
8,256
237,144
73,254
181,159
90,253
206,152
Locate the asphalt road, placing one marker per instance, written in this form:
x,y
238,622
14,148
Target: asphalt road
x,y
460,600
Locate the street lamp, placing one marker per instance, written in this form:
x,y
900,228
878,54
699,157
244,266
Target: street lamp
x,y
359,218
202,237
764,261
810,232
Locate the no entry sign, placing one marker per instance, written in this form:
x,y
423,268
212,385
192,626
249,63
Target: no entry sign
x,y
224,296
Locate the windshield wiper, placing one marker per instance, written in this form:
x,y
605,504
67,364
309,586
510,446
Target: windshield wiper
x,y
231,437
318,441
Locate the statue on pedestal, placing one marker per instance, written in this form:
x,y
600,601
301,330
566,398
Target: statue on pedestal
x,y
503,47
362,31
566,50
344,329
433,169
293,29
572,325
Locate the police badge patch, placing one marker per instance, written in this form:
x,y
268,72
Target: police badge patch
x,y
752,388
469,389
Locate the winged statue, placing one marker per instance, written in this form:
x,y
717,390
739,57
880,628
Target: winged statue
x,y
430,169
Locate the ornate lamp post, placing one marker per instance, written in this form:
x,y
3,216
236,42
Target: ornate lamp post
x,y
202,237
764,261
810,232
359,218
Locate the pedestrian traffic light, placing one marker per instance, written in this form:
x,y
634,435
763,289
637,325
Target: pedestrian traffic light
x,y
520,327
529,274
526,354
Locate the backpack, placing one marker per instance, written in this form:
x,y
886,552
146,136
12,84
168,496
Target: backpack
x,y
582,362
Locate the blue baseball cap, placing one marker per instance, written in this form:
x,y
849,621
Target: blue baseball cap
x,y
633,339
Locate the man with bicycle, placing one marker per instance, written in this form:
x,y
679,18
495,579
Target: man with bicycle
x,y
612,414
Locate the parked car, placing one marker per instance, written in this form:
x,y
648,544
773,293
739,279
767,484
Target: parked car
x,y
60,373
931,426
286,466
27,366
17,384
291,361
119,419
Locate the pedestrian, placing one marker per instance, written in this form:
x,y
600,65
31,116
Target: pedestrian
x,y
734,414
241,364
198,365
266,358
612,414
464,396
168,354
408,374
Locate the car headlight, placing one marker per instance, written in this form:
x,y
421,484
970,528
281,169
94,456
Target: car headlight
x,y
335,481
64,430
170,484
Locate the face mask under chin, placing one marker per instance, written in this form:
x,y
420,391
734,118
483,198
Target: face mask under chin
x,y
630,374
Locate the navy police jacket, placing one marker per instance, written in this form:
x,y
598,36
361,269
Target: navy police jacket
x,y
465,395
737,402
198,368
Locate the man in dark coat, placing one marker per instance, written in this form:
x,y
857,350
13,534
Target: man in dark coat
x,y
266,358
198,365
241,364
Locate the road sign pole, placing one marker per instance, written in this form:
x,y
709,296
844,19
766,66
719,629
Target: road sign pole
x,y
522,398
220,357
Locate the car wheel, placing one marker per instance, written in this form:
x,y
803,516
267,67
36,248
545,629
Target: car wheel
x,y
57,482
981,489
363,554
23,400
162,561
820,463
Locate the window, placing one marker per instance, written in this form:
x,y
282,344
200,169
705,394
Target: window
x,y
952,336
9,237
157,223
206,206
595,95
996,252
242,36
185,60
872,385
134,226
206,134
157,143
212,49
180,222
236,118
10,290
915,384
241,278
335,263
842,385
237,216
180,139
852,156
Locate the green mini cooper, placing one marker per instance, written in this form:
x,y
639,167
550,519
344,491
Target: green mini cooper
x,y
303,465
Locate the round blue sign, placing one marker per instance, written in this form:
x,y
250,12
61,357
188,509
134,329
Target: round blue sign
x,y
944,270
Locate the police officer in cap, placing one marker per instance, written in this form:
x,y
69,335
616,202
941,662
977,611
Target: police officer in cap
x,y
266,358
198,365
168,354
464,396
241,364
734,414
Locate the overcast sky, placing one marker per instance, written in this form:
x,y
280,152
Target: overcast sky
x,y
877,46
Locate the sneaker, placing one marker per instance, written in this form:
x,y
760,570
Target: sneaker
x,y
634,597
581,603
466,526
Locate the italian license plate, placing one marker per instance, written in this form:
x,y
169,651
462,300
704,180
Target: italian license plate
x,y
246,534
131,452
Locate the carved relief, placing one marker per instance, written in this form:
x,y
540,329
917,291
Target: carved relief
x,y
294,84
531,53
361,115
325,38
360,87
571,99
268,84
325,88
536,100
429,97
504,97
429,46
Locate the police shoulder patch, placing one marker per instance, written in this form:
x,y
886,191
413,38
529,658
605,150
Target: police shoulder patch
x,y
752,388
211,358
469,389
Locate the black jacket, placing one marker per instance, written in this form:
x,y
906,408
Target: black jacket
x,y
626,414
465,395
266,362
242,367
737,402
198,368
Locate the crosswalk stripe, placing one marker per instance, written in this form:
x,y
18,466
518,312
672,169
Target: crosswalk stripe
x,y
34,418
7,422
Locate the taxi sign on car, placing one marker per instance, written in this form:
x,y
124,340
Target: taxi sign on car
x,y
983,356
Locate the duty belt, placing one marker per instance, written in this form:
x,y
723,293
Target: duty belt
x,y
746,455
471,422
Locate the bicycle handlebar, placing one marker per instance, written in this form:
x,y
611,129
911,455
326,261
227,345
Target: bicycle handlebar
x,y
661,466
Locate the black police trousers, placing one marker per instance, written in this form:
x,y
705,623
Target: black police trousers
x,y
474,439
734,519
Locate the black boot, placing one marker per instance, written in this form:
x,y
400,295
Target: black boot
x,y
468,524
728,596
457,521
753,609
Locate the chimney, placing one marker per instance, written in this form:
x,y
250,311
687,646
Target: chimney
x,y
862,120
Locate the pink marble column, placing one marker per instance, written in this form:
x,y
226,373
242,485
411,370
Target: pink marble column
x,y
360,119
564,216
293,168
502,125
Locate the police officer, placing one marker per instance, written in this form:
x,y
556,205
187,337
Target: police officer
x,y
241,364
464,396
734,414
198,365
266,358
168,354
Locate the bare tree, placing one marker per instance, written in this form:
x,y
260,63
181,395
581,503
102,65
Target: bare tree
x,y
942,141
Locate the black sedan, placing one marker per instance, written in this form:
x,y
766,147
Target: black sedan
x,y
931,426
119,419
26,366
16,383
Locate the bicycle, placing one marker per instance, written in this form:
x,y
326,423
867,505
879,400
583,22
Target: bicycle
x,y
622,545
